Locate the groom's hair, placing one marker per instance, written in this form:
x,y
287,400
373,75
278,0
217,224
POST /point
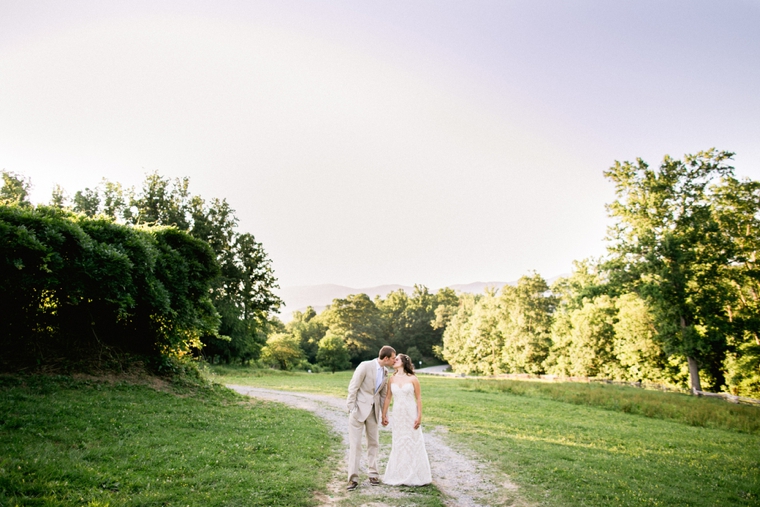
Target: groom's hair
x,y
386,352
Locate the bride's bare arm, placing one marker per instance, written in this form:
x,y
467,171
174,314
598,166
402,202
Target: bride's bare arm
x,y
387,402
418,396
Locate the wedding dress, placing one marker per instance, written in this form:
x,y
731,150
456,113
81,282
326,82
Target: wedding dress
x,y
408,463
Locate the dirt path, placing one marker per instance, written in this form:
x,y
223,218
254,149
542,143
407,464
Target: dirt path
x,y
464,481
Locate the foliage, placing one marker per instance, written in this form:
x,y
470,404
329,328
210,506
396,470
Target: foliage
x,y
636,345
242,292
667,246
411,321
15,189
308,330
333,353
282,350
357,321
73,286
503,333
87,442
526,324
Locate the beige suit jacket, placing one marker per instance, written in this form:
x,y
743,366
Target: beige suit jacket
x,y
361,392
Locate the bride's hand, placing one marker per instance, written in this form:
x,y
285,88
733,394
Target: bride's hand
x,y
417,422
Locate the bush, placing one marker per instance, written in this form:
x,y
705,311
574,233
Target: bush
x,y
80,289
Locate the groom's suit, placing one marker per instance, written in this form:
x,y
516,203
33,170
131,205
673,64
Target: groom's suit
x,y
366,395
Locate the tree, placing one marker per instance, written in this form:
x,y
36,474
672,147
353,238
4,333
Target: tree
x,y
636,343
282,350
87,201
668,247
242,293
583,340
472,342
15,189
410,321
74,287
58,199
332,353
582,330
309,331
358,321
526,323
737,208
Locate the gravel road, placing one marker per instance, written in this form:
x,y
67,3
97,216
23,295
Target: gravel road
x,y
464,481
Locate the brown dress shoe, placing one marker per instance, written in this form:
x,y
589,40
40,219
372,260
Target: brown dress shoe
x,y
374,481
352,485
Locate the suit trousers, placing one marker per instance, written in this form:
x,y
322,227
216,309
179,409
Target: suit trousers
x,y
355,430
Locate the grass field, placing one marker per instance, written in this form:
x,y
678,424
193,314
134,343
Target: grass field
x,y
569,447
76,442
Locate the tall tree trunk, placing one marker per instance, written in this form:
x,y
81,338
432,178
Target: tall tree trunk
x,y
694,375
696,385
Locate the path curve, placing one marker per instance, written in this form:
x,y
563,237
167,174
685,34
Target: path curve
x,y
465,481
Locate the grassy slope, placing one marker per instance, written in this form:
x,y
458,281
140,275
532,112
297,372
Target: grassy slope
x,y
566,452
67,442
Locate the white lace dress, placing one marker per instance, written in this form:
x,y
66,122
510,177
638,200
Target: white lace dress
x,y
408,463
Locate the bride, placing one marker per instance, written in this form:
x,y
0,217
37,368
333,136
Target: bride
x,y
408,463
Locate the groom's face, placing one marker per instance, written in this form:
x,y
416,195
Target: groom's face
x,y
388,361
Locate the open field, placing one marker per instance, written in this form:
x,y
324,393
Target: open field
x,y
78,442
562,450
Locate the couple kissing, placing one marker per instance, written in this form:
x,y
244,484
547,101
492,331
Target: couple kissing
x,y
370,393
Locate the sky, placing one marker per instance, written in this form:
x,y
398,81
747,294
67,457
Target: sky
x,y
396,142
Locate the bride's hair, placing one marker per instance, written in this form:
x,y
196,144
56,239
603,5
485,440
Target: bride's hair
x,y
406,362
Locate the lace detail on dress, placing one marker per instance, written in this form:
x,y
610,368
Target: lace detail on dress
x,y
408,462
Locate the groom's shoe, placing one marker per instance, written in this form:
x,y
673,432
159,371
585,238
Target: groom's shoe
x,y
374,481
352,485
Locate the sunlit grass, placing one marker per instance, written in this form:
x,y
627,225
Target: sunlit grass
x,y
692,410
69,442
580,445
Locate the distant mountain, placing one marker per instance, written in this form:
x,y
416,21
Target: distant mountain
x,y
479,287
320,296
298,298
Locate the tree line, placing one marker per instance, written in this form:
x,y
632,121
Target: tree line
x,y
157,266
353,329
675,300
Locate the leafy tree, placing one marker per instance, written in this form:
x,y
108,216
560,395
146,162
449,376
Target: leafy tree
x,y
15,189
412,321
584,340
332,353
636,343
282,350
74,286
525,324
358,321
87,201
58,199
668,247
737,209
242,293
309,331
472,342
582,330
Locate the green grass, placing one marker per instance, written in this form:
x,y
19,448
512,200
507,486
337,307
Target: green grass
x,y
74,442
692,410
567,447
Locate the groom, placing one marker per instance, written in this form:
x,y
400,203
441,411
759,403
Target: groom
x,y
366,394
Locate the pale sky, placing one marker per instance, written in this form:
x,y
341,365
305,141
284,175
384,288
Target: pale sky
x,y
380,142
